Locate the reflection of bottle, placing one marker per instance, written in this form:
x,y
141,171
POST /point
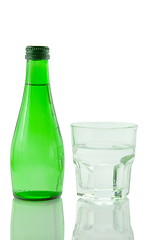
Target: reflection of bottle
x,y
37,148
103,220
37,220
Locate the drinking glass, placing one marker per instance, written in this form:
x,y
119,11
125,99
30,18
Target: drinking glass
x,y
103,153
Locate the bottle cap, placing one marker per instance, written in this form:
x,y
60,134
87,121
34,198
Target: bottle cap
x,y
37,53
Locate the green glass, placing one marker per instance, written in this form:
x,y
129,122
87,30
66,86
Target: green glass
x,y
37,154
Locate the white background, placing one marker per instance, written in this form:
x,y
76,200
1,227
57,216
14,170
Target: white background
x,y
106,65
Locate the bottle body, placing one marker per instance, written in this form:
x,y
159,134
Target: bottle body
x,y
37,155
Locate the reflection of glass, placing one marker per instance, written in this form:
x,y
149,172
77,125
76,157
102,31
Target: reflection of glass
x,y
103,220
37,220
103,153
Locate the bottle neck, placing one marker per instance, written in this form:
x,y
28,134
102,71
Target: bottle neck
x,y
37,72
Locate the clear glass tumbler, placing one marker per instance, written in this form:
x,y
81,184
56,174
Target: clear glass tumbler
x,y
103,153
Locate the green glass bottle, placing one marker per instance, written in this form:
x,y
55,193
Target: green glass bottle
x,y
37,154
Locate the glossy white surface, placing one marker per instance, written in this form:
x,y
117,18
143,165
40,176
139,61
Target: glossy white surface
x,y
106,65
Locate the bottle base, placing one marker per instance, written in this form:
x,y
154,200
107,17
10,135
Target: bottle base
x,y
37,195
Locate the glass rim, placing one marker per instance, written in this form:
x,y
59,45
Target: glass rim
x,y
104,125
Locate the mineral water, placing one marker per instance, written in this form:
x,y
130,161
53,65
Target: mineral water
x,y
103,171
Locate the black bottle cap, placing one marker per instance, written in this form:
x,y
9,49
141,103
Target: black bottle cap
x,y
37,53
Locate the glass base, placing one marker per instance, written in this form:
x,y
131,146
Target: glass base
x,y
103,194
37,195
